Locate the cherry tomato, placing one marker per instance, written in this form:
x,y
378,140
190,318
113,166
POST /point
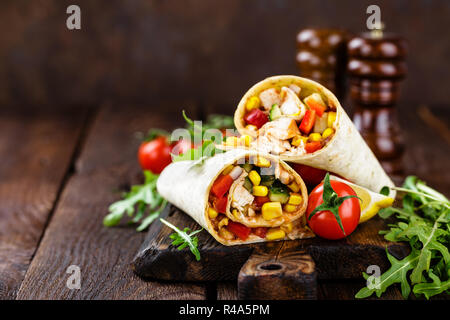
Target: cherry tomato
x,y
221,185
324,223
312,176
181,146
257,118
260,231
241,231
155,155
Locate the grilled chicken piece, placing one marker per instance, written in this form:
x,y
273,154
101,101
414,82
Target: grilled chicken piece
x,y
269,97
291,104
282,128
241,198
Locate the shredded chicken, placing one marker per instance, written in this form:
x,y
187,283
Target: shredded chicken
x,y
241,198
269,97
282,128
291,105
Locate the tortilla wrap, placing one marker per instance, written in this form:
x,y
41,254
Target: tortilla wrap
x,y
346,154
187,184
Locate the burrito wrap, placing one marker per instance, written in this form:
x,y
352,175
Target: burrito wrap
x,y
187,185
346,154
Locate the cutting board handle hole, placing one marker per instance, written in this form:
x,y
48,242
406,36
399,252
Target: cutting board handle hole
x,y
270,266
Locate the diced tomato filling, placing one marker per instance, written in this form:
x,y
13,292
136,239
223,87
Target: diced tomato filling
x,y
256,117
317,107
308,121
259,201
221,204
221,185
311,147
241,231
260,231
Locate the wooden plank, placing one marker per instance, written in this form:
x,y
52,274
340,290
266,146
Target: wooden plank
x,y
76,236
36,149
343,259
427,150
227,291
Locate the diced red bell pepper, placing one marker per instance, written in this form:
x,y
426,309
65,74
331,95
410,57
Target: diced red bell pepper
x,y
260,231
241,231
221,185
316,106
256,117
221,204
311,147
261,200
308,121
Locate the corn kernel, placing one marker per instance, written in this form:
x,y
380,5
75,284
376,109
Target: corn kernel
x,y
290,208
212,213
315,136
251,127
331,119
287,227
294,187
260,191
275,234
297,140
232,141
236,213
227,170
271,210
295,199
223,222
254,177
253,103
262,162
328,132
246,140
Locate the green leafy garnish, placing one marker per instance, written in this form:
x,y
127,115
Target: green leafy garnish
x,y
184,238
331,202
208,146
423,221
136,202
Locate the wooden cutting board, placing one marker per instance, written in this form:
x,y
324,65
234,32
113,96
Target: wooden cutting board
x,y
274,270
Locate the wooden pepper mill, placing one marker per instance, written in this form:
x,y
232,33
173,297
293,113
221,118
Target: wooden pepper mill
x,y
376,67
321,56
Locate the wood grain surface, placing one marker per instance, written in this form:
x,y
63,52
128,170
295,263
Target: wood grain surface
x,y
36,148
76,236
74,196
341,259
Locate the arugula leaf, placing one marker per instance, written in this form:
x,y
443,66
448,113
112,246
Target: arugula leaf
x,y
424,222
184,238
141,197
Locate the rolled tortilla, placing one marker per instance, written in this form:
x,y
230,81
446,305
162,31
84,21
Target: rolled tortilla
x,y
187,184
346,154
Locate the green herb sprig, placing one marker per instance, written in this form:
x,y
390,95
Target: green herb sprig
x,y
208,146
423,221
184,238
139,200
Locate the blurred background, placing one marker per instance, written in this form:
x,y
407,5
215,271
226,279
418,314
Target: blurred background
x,y
211,52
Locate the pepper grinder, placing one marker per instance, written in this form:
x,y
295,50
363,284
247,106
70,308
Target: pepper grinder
x,y
321,56
376,67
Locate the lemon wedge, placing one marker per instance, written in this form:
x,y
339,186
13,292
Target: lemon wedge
x,y
371,202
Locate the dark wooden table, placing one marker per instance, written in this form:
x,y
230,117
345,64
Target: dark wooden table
x,y
60,170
